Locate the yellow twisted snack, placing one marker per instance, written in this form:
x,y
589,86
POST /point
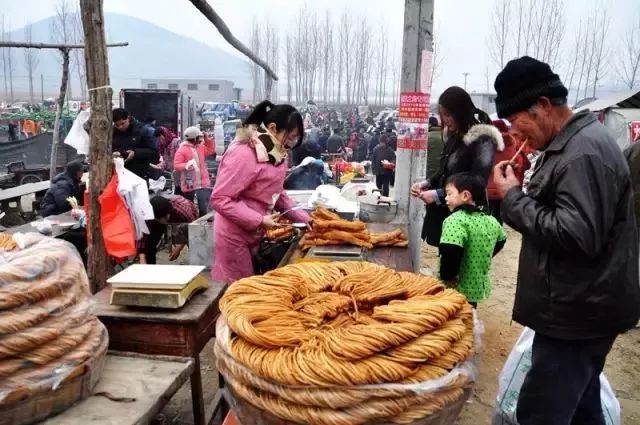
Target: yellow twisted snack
x,y
307,342
47,332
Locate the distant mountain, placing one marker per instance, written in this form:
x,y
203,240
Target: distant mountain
x,y
153,52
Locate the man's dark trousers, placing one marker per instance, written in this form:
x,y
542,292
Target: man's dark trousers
x,y
563,384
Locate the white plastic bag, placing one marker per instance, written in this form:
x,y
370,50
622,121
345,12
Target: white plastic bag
x,y
135,193
78,137
513,374
157,185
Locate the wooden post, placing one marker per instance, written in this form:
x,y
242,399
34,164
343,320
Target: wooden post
x,y
412,163
59,108
100,134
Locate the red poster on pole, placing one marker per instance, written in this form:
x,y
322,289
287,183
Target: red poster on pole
x,y
634,128
414,107
413,116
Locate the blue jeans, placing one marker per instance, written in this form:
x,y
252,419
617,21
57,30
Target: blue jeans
x,y
563,384
201,196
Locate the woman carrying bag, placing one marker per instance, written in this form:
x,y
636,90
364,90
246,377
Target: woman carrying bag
x,y
249,186
470,146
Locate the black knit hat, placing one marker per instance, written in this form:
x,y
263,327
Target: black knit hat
x,y
522,82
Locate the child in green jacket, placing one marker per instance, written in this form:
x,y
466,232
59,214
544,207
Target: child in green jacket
x,y
470,238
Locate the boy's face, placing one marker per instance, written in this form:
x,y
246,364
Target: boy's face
x,y
455,199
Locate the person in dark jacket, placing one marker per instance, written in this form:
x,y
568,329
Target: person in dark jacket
x,y
133,143
471,144
63,186
434,146
578,285
323,139
307,176
374,142
381,154
335,144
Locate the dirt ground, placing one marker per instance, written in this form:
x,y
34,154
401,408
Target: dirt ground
x,y
622,369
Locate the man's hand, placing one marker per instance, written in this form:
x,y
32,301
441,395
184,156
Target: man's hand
x,y
142,259
130,155
504,177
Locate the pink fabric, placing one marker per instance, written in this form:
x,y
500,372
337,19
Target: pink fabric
x,y
184,154
244,193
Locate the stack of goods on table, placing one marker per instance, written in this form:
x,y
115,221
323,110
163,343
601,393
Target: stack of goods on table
x,y
345,343
52,348
329,229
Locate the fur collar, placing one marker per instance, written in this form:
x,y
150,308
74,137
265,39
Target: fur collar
x,y
479,130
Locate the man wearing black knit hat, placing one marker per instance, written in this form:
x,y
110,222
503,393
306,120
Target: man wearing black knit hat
x,y
578,274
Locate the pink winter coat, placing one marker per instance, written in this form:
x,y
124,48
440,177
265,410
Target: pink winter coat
x,y
184,154
245,191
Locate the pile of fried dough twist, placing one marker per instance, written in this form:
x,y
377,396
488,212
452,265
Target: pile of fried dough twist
x,y
48,334
329,229
304,340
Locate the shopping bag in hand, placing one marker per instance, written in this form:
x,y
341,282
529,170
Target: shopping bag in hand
x,y
513,374
115,220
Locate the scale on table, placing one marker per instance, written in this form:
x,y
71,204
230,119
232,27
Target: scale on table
x,y
337,253
160,286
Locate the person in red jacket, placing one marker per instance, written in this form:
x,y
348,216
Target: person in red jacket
x,y
512,143
190,162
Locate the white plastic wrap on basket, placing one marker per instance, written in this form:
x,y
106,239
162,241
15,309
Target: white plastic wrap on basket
x,y
432,402
47,329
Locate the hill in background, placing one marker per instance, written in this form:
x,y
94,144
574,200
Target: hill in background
x,y
153,52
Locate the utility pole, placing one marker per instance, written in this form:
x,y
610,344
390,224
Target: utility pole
x,y
417,49
42,87
466,74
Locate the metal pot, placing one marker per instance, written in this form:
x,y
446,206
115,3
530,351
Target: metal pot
x,y
377,209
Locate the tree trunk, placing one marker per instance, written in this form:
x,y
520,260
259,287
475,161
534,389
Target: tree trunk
x,y
100,93
59,108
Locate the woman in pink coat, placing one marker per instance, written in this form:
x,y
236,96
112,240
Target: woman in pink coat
x,y
249,187
190,162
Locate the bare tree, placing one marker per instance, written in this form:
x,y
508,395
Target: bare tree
x,y
78,54
499,36
30,59
62,30
628,60
5,61
575,55
289,65
539,27
256,71
438,55
345,47
600,52
327,45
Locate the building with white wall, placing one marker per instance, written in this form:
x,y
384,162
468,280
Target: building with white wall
x,y
199,90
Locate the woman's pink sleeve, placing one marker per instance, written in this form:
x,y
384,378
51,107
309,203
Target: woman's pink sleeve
x,y
237,172
180,160
284,203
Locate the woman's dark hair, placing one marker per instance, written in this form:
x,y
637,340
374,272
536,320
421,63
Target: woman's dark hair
x,y
285,117
161,206
471,183
459,104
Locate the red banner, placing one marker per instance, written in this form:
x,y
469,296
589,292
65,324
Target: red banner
x,y
415,138
414,107
634,128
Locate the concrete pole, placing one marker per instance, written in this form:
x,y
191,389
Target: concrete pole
x,y
466,74
412,163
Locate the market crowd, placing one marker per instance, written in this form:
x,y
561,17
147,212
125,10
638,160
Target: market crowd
x,y
555,176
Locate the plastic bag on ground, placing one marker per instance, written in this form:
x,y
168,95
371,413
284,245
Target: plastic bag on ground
x,y
513,374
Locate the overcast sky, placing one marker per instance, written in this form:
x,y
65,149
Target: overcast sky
x,y
464,24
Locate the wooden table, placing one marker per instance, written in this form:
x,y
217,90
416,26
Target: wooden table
x,y
183,332
147,383
62,223
398,259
